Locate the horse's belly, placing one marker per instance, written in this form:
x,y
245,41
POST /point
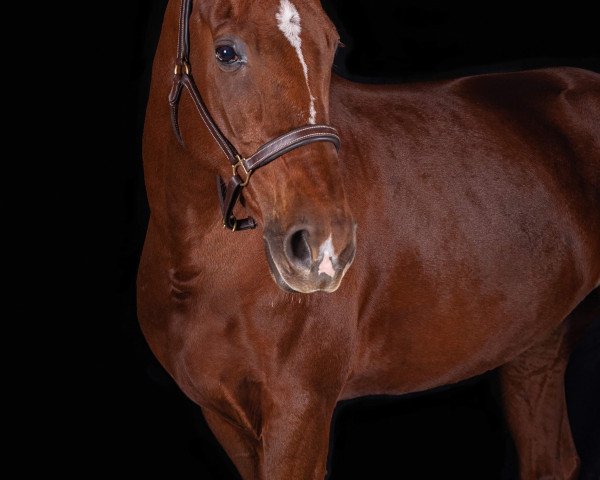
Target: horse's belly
x,y
427,334
441,359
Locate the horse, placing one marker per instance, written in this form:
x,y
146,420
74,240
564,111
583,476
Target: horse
x,y
378,239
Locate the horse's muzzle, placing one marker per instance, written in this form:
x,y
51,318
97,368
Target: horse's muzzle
x,y
308,259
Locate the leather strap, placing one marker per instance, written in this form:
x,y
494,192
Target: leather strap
x,y
289,141
183,39
230,192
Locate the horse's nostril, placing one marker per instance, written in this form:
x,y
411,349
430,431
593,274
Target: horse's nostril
x,y
299,250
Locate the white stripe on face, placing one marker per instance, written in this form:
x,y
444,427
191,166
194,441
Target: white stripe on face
x,y
288,21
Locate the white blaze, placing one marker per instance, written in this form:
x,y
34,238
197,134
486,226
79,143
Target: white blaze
x,y
288,21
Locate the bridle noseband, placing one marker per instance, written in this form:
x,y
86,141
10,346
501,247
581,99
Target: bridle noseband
x,y
230,192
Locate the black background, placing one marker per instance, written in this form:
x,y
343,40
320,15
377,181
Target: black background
x,y
136,419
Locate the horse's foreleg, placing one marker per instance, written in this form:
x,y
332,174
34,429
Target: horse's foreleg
x,y
296,439
293,443
243,450
535,405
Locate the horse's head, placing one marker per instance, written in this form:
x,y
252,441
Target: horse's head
x,y
268,72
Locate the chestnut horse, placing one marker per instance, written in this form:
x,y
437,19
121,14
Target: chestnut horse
x,y
470,207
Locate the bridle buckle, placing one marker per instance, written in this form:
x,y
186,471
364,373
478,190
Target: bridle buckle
x,y
247,174
183,67
234,222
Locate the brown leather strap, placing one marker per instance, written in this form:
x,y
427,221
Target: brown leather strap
x,y
289,141
183,78
231,192
183,39
227,148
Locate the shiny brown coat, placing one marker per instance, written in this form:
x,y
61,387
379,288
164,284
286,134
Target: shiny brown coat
x,y
476,203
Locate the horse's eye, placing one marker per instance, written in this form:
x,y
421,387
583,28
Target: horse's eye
x,y
226,54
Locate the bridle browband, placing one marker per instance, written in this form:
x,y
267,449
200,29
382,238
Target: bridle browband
x,y
229,193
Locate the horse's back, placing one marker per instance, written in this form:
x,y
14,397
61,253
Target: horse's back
x,y
558,110
558,105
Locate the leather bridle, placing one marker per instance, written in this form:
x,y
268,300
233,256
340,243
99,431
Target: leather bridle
x,y
230,192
